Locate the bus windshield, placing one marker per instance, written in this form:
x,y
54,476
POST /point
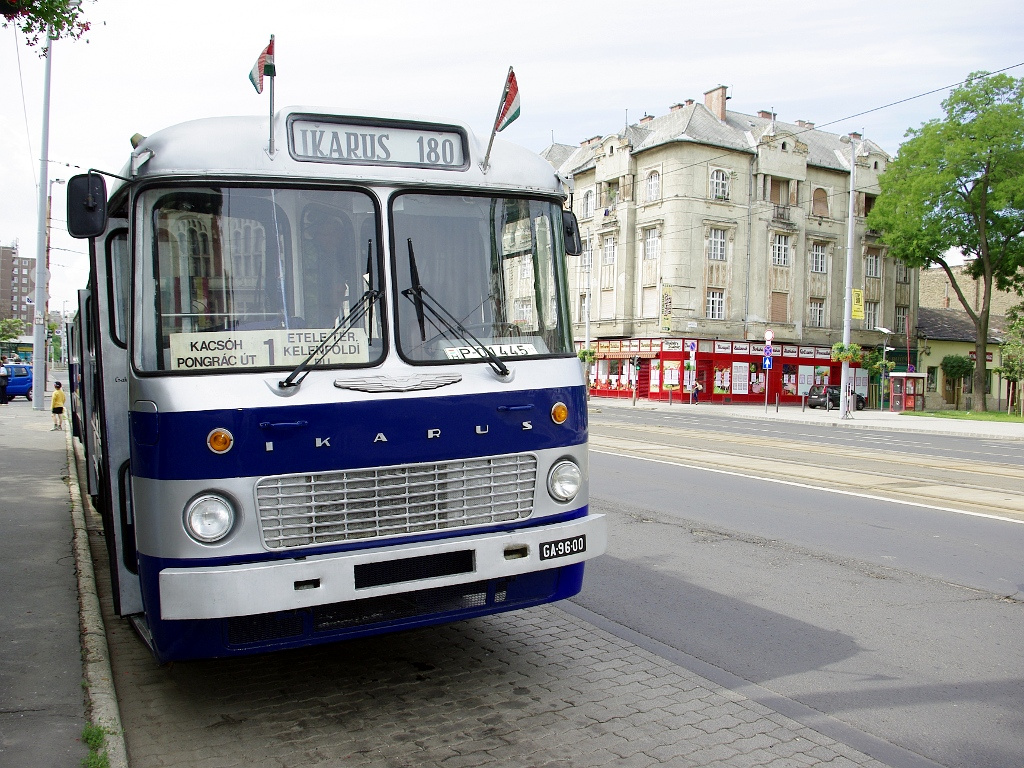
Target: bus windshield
x,y
477,274
249,278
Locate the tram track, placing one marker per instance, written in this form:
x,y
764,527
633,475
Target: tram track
x,y
979,488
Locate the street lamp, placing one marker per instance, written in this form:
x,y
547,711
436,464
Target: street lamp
x,y
844,397
886,333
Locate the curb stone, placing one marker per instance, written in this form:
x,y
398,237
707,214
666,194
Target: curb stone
x,y
102,698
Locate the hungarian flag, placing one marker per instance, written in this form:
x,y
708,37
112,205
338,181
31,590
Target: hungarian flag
x,y
509,110
264,66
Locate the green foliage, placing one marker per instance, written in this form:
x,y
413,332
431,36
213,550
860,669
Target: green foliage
x,y
958,183
63,18
587,355
872,360
957,366
11,328
95,738
847,353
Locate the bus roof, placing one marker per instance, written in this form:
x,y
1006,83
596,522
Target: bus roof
x,y
311,143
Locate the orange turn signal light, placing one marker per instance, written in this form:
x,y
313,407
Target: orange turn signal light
x,y
220,440
559,413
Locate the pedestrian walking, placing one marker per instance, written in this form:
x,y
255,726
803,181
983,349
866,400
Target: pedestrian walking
x,y
4,377
697,389
57,406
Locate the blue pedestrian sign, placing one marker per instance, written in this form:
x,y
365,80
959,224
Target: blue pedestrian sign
x,y
767,363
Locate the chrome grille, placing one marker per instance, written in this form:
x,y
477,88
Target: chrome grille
x,y
311,509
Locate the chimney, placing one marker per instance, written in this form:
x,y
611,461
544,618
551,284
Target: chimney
x,y
646,119
689,102
855,135
675,107
714,100
805,124
765,114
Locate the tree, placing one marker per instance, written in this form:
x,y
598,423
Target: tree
x,y
61,18
1011,354
957,368
11,328
958,183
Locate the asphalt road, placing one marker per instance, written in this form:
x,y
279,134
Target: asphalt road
x,y
899,621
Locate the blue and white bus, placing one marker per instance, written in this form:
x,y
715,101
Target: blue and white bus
x,y
330,391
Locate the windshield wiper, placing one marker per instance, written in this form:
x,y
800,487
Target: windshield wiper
x,y
424,302
363,307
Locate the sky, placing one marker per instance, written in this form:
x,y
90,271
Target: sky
x,y
583,70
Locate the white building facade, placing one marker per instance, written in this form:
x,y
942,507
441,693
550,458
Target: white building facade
x,y
703,229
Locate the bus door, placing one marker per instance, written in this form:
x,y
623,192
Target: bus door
x,y
84,397
111,302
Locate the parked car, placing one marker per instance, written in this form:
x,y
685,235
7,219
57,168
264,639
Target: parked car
x,y
19,380
820,396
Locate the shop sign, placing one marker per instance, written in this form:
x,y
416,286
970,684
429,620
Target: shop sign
x,y
723,347
614,346
646,345
806,351
822,353
740,349
602,347
757,349
789,350
974,355
634,345
671,345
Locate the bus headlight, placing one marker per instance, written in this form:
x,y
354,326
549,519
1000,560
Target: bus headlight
x,y
208,518
564,480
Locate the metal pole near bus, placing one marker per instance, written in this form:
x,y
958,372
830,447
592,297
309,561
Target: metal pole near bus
x,y
39,308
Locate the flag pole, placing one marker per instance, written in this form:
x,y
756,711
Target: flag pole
x,y
272,78
497,116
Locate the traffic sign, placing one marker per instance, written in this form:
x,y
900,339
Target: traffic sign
x,y
769,334
767,363
768,351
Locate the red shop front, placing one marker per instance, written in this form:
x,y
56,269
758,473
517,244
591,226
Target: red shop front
x,y
734,372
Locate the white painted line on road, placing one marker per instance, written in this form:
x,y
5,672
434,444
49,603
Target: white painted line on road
x,y
795,484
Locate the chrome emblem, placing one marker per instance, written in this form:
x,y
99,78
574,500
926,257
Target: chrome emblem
x,y
412,383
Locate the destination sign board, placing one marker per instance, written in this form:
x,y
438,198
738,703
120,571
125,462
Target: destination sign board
x,y
323,139
264,349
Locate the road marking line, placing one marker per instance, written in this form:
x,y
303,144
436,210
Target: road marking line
x,y
810,487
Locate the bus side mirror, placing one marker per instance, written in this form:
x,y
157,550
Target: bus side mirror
x,y
87,205
573,243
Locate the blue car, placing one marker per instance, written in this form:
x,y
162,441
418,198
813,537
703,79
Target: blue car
x,y
19,380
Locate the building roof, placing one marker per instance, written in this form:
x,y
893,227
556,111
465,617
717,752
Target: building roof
x,y
695,123
955,325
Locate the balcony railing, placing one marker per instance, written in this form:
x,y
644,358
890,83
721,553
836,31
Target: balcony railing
x,y
780,212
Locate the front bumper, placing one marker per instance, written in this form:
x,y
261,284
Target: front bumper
x,y
235,590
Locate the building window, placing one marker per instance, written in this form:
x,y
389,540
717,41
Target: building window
x,y
902,272
653,186
902,313
873,263
608,256
780,307
652,244
650,302
588,204
716,245
719,184
587,257
817,318
871,316
932,382
819,202
715,307
523,309
780,251
818,257
581,308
